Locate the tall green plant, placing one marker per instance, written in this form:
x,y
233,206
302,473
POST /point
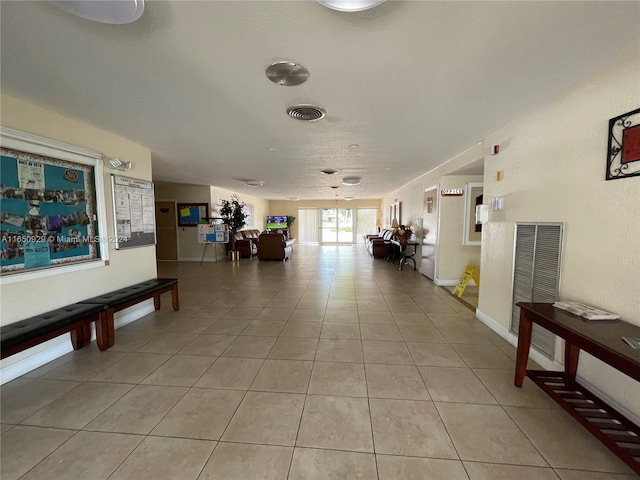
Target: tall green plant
x,y
234,215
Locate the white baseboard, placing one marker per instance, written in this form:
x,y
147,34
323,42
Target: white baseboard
x,y
548,364
504,332
41,357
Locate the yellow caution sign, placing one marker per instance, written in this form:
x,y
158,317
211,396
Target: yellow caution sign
x,y
469,273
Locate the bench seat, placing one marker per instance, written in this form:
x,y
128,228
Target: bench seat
x,y
75,319
117,300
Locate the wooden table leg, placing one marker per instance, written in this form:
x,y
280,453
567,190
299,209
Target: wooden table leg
x,y
571,354
524,343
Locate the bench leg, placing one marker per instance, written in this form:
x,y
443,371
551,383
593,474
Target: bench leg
x,y
77,338
102,332
156,301
175,300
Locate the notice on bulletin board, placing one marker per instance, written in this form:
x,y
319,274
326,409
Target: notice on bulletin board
x,y
134,212
218,233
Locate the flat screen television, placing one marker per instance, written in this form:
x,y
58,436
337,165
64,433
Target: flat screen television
x,y
274,222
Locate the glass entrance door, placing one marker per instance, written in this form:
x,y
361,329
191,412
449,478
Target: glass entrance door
x,y
337,225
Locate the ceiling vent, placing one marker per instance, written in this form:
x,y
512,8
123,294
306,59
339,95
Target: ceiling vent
x,y
307,113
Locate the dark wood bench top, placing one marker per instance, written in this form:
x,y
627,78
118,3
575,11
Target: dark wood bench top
x,y
25,333
128,294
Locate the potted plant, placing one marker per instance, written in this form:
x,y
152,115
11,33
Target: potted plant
x,y
291,221
234,215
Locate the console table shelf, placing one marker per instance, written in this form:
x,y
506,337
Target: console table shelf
x,y
603,340
613,429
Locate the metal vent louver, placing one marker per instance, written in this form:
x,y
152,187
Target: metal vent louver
x,y
306,113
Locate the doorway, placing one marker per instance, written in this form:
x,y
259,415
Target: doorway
x,y
336,226
429,232
166,231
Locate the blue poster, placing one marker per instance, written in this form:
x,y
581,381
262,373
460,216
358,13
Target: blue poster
x,y
36,254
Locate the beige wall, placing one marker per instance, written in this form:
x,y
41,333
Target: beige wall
x,y
451,255
554,166
260,205
188,247
284,207
23,299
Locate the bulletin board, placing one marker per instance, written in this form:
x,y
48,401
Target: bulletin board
x,y
191,214
47,212
213,233
134,212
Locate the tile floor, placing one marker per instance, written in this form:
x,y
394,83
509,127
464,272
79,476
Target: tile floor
x,y
329,366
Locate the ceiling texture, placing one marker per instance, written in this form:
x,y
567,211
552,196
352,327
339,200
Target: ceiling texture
x,y
410,83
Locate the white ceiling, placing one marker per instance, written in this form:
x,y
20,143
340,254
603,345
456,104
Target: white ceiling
x,y
412,83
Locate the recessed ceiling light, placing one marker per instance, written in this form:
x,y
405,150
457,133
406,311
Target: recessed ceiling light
x,y
350,5
293,199
286,73
254,183
329,171
351,181
114,13
348,199
354,146
272,149
334,186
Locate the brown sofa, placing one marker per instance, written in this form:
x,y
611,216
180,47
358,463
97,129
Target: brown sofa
x,y
273,246
376,243
246,243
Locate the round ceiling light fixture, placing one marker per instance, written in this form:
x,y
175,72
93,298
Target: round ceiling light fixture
x,y
103,11
286,73
351,181
306,113
350,5
348,199
254,183
329,171
293,199
354,146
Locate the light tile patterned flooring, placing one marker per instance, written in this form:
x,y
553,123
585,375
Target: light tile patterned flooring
x,y
329,366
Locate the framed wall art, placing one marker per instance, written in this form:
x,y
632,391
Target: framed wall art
x,y
623,152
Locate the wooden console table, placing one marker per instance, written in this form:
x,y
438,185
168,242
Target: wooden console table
x,y
602,339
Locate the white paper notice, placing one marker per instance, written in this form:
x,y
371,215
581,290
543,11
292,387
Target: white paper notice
x,y
122,205
124,230
148,214
135,203
31,174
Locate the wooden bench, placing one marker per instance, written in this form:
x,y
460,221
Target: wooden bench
x,y
75,319
603,340
117,300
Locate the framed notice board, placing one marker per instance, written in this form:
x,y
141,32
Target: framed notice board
x,y
191,214
134,212
47,208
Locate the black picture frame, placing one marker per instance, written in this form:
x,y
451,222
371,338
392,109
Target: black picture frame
x,y
623,150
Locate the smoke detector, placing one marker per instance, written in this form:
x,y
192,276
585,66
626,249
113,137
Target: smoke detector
x,y
306,113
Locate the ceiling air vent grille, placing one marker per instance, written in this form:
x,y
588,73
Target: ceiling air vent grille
x,y
306,113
